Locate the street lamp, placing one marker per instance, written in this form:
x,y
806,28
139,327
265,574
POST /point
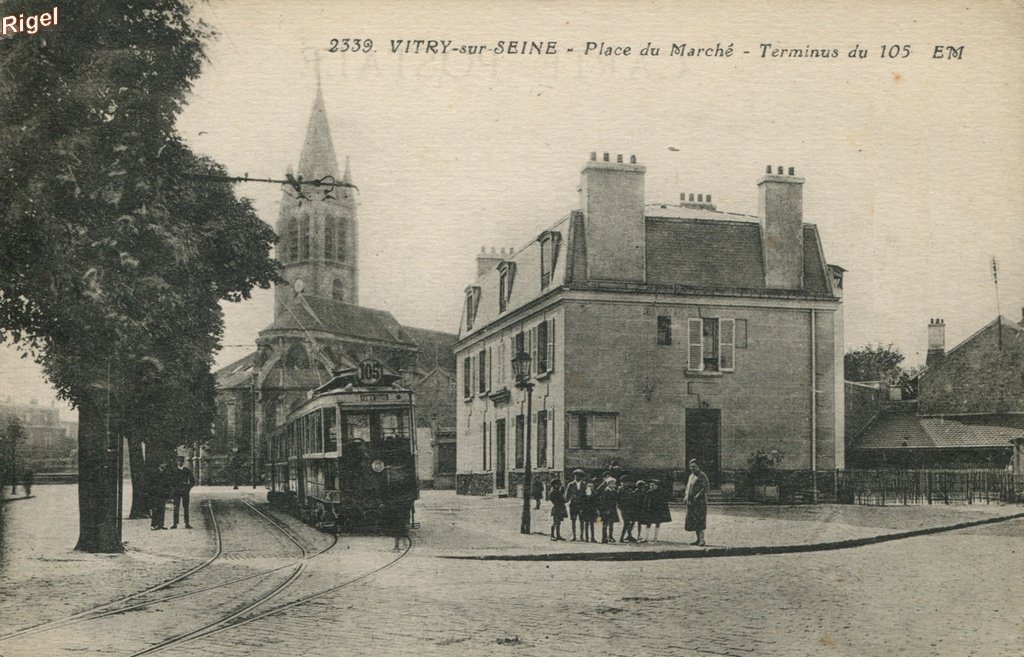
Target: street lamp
x,y
521,368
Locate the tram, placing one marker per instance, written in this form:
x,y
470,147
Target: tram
x,y
346,458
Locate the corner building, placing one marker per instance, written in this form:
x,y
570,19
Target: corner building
x,y
658,333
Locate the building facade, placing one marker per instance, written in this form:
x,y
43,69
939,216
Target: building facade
x,y
969,410
657,333
318,324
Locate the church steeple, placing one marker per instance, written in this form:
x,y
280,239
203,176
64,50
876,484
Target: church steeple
x,y
318,159
317,225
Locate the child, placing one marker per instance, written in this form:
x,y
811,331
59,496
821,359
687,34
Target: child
x,y
588,512
656,509
609,512
641,515
558,512
627,506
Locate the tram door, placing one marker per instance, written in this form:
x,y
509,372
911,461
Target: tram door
x,y
499,453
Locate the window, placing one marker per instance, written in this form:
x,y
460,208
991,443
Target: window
x,y
593,431
293,239
483,442
329,238
304,238
520,440
507,275
467,377
664,330
712,345
542,439
342,239
482,371
549,244
330,430
544,347
472,303
338,290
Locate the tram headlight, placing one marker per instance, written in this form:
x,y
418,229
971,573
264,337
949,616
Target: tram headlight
x,y
377,466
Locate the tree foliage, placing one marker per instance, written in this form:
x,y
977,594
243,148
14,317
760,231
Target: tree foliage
x,y
115,256
873,363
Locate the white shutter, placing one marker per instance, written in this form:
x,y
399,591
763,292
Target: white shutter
x,y
727,344
551,345
696,347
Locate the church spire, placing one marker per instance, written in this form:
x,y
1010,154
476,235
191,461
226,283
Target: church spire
x,y
318,159
347,176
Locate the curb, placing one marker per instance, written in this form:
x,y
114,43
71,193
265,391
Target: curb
x,y
731,551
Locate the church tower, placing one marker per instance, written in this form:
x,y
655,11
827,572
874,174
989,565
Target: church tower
x,y
317,226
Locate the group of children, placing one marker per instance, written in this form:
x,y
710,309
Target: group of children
x,y
638,505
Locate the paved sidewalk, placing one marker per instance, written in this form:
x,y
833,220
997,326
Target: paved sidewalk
x,y
466,526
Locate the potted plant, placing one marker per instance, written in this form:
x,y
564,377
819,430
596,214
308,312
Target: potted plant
x,y
763,474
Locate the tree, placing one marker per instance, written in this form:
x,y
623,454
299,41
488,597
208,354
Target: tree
x,y
874,363
115,256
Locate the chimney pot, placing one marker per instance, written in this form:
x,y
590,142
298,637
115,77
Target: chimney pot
x,y
792,171
618,158
593,156
682,196
700,198
778,170
606,157
709,198
632,159
768,169
492,249
691,197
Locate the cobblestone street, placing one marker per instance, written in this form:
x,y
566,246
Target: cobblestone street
x,y
953,593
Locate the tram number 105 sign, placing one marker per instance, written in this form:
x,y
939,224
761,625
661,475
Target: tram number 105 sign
x,y
370,372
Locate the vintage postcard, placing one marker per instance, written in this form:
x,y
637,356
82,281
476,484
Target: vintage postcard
x,y
526,328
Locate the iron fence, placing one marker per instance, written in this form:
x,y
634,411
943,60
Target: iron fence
x,y
898,487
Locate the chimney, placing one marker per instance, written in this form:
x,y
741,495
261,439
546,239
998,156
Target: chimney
x,y
485,261
936,341
612,201
780,209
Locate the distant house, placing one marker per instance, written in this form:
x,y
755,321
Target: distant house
x,y
657,333
968,413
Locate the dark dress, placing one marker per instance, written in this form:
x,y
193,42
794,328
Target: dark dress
x,y
627,504
588,506
654,508
558,511
697,504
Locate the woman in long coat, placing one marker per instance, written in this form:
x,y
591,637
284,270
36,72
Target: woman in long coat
x,y
697,502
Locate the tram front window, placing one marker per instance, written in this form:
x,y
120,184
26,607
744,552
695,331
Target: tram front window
x,y
356,427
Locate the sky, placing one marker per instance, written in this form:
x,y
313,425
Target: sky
x,y
912,164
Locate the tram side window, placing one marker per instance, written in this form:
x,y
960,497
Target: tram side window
x,y
318,431
330,430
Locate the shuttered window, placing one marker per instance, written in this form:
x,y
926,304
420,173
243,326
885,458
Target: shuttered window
x,y
727,344
695,360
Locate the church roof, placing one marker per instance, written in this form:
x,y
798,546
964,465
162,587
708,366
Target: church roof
x,y
317,159
436,348
342,319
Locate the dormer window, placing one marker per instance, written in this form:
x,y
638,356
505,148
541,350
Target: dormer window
x,y
472,303
550,241
507,274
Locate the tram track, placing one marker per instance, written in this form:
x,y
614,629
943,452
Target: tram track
x,y
235,621
104,609
117,607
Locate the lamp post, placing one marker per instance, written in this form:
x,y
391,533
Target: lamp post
x,y
521,368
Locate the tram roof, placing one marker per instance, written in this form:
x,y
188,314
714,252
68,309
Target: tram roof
x,y
348,379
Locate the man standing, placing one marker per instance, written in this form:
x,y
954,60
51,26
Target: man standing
x,y
183,481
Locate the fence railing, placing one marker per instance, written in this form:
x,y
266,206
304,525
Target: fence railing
x,y
897,487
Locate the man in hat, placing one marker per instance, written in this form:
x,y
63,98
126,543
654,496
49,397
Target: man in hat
x,y
573,490
183,480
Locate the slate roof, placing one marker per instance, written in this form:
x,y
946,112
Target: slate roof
x,y
908,431
237,374
436,348
343,319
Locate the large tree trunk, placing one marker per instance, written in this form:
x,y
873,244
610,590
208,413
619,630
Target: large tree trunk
x,y
99,527
140,485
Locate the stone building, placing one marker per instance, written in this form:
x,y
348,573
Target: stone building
x,y
658,333
968,412
318,324
49,442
